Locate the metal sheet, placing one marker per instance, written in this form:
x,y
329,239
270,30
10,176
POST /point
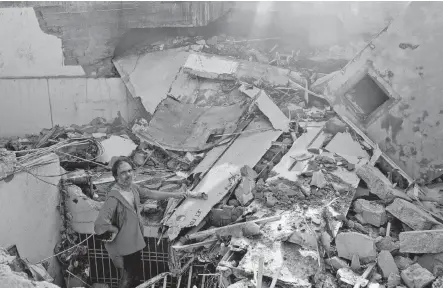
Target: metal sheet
x,y
186,127
246,150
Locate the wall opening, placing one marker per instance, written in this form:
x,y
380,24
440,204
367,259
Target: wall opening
x,y
366,96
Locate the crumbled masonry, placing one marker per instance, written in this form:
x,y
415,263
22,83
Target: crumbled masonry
x,y
281,187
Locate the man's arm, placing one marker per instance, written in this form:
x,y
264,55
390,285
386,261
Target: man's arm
x,y
146,194
103,223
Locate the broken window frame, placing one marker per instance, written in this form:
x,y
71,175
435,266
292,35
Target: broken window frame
x,y
393,97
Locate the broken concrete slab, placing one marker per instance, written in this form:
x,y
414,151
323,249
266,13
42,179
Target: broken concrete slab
x,y
411,215
371,212
225,68
149,75
353,243
378,183
186,127
225,174
211,66
84,210
268,107
342,144
416,276
386,263
430,241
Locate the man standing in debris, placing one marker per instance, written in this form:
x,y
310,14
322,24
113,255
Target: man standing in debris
x,y
119,221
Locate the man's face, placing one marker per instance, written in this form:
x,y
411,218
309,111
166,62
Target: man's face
x,y
124,174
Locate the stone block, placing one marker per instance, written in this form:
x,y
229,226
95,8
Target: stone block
x,y
371,212
430,241
353,243
411,215
416,276
377,183
387,264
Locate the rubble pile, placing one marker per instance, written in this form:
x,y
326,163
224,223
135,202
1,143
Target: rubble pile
x,y
296,196
16,272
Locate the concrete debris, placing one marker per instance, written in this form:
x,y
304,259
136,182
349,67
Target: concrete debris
x,y
336,263
116,146
416,276
278,120
352,243
433,263
318,179
347,276
403,262
387,264
245,191
411,215
334,126
378,183
387,243
371,212
430,241
343,145
394,280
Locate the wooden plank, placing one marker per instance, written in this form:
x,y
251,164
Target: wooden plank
x,y
246,150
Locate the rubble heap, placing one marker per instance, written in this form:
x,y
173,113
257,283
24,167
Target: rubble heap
x,y
296,196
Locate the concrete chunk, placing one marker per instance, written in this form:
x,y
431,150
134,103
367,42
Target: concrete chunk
x,y
353,243
433,263
372,213
411,215
387,264
416,276
336,263
377,182
211,67
430,241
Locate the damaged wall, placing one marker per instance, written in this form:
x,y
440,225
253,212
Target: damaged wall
x,y
29,105
24,198
403,61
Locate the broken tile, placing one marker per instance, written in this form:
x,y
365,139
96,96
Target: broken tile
x,y
372,213
430,241
411,215
416,276
386,263
278,120
353,243
343,145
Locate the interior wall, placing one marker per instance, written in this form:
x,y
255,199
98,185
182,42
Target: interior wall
x,y
29,105
28,213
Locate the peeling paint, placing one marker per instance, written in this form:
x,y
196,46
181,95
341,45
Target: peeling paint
x,y
393,123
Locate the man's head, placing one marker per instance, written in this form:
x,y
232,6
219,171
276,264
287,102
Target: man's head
x,y
123,170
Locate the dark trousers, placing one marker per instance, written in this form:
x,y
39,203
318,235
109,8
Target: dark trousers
x,y
132,270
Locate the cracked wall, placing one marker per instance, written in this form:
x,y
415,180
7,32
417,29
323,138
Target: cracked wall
x,y
405,59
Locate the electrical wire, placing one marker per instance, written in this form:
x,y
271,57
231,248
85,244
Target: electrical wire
x,y
55,255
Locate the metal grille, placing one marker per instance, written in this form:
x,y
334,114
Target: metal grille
x,y
154,261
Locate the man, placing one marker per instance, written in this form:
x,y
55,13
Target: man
x,y
119,220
